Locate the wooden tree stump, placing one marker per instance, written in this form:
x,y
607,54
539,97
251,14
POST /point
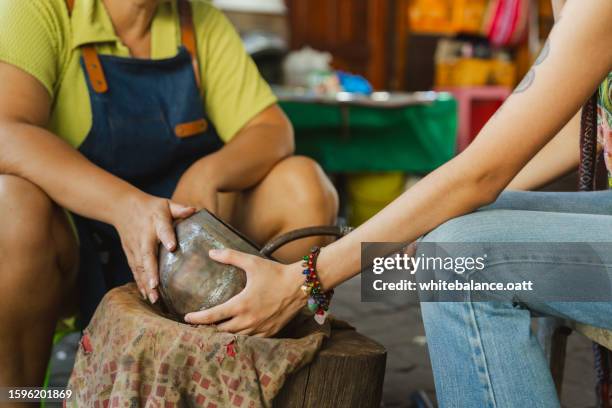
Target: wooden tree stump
x,y
347,373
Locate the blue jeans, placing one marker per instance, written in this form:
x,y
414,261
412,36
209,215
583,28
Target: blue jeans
x,y
484,354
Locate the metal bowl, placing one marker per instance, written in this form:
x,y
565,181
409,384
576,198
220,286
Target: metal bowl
x,y
189,280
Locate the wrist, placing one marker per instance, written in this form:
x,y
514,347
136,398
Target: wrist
x,y
326,280
124,202
295,280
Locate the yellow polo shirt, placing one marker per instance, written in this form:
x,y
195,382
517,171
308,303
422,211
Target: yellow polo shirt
x,y
40,37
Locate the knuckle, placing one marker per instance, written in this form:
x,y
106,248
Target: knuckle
x,y
242,308
206,317
148,254
250,261
228,255
164,229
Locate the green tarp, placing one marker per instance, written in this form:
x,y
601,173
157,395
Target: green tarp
x,y
413,139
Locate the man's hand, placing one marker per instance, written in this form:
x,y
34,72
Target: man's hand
x,y
198,187
143,221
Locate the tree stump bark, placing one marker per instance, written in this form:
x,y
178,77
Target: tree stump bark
x,y
347,373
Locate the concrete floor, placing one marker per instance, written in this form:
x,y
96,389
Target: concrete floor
x,y
397,325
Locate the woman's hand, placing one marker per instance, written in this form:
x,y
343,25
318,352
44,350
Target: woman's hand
x,y
143,221
272,296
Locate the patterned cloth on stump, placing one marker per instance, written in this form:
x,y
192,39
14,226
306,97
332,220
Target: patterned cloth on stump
x,y
131,356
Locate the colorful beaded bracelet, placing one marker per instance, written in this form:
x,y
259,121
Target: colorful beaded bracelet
x,y
318,299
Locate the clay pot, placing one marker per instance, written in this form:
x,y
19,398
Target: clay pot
x,y
191,281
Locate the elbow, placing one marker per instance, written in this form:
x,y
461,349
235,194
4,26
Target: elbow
x,y
479,186
482,180
488,186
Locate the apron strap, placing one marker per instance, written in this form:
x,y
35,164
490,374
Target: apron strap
x,y
92,61
188,37
70,6
94,69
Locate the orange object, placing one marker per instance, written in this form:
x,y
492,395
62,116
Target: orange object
x,y
468,15
503,73
447,16
431,16
191,128
94,69
475,72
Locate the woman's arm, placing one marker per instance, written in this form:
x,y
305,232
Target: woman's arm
x,y
572,64
568,71
31,152
558,158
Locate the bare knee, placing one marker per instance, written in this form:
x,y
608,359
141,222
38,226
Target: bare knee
x,y
33,227
308,188
26,213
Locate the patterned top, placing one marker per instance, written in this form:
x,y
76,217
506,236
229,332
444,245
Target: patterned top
x,y
604,123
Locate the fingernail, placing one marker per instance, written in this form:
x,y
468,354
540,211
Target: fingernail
x,y
144,295
152,283
215,252
153,297
169,246
187,319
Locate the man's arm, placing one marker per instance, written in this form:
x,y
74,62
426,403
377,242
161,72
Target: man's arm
x,y
251,154
243,108
31,152
240,164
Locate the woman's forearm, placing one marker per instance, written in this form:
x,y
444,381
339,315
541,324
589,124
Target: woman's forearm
x,y
547,98
441,195
73,182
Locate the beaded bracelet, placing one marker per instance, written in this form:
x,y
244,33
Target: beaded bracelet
x,y
318,300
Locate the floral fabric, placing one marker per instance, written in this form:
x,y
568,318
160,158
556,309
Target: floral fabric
x,y
131,356
604,123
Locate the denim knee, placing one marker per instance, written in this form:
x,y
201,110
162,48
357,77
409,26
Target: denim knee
x,y
481,226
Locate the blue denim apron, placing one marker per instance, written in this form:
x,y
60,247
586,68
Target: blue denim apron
x,y
149,126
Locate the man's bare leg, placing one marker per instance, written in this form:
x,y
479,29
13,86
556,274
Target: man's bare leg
x,y
296,193
38,258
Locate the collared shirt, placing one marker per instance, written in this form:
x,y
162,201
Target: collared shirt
x,y
39,37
